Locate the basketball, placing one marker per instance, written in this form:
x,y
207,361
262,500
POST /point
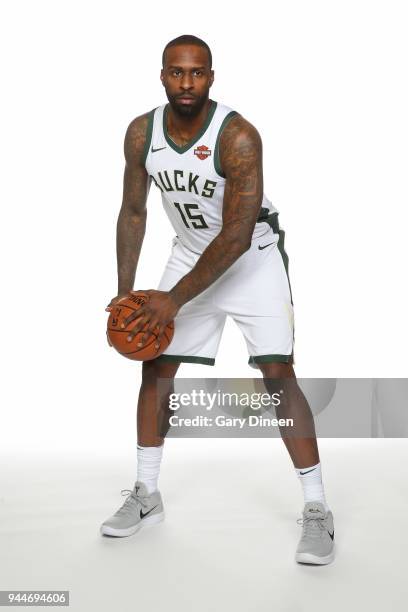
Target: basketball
x,y
118,337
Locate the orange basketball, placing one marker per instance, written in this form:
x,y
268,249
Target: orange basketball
x,y
118,337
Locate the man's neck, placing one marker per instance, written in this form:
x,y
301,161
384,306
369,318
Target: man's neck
x,y
184,128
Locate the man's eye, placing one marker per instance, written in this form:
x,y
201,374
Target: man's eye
x,y
176,72
198,72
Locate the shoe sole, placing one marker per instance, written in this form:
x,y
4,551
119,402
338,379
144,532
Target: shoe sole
x,y
314,559
122,533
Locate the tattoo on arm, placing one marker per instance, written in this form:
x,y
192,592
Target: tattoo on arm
x,y
131,224
241,160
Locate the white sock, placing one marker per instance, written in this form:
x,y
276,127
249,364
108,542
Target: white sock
x,y
148,465
311,480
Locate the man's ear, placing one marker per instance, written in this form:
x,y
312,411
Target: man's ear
x,y
162,76
211,77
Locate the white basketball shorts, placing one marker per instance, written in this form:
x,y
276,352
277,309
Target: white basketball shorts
x,y
255,291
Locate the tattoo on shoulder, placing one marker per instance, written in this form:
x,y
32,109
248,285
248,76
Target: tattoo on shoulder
x,y
241,160
135,138
240,148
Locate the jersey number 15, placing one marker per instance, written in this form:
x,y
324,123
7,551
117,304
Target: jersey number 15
x,y
197,220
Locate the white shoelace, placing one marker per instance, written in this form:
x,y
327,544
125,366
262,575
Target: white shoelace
x,y
313,526
129,504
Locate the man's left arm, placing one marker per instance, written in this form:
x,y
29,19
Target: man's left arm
x,y
241,161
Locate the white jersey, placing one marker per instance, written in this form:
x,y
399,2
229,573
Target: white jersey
x,y
190,177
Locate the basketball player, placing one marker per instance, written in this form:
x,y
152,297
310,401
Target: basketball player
x,y
227,258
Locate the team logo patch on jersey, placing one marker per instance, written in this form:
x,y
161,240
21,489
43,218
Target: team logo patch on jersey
x,y
202,152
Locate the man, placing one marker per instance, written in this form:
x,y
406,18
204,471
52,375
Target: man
x,y
227,259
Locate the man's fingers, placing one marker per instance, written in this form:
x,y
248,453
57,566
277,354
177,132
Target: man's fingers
x,y
132,333
150,329
159,336
112,303
134,315
144,338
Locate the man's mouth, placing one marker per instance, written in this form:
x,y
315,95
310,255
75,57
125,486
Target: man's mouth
x,y
186,99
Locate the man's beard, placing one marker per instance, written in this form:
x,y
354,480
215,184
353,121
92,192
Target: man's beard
x,y
187,110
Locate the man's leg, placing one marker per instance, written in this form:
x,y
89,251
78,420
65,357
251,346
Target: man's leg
x,y
302,443
317,542
152,419
148,416
303,450
143,505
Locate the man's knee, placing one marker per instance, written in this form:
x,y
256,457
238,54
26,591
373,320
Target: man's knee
x,y
154,369
277,370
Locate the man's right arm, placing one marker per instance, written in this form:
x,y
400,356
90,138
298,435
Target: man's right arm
x,y
131,222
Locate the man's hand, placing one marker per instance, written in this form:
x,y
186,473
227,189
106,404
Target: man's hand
x,y
158,311
111,305
115,300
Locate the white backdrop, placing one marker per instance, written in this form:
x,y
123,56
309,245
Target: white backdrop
x,y
325,84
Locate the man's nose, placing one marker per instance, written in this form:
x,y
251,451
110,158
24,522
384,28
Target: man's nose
x,y
187,81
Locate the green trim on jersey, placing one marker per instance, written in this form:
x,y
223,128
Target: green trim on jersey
x,y
186,359
149,132
270,359
273,221
263,216
217,164
192,142
285,257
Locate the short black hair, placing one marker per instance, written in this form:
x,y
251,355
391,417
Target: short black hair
x,y
188,39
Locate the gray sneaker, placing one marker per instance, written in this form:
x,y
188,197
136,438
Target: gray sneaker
x,y
139,509
317,542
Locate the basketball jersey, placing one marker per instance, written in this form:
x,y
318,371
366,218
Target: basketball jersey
x,y
190,177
